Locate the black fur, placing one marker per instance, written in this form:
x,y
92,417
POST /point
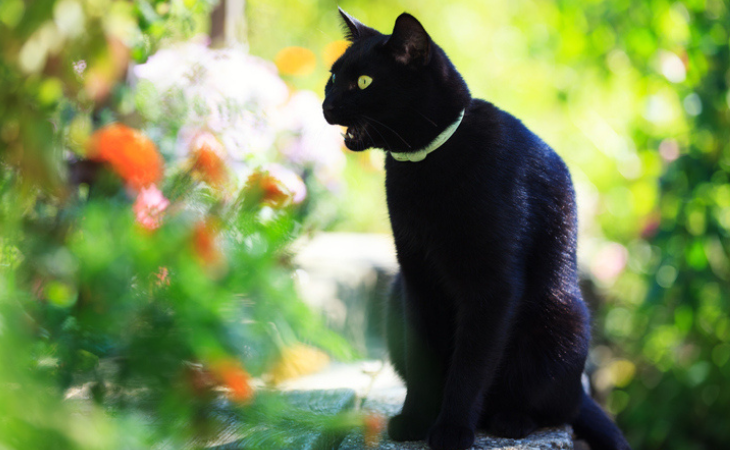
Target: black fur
x,y
486,323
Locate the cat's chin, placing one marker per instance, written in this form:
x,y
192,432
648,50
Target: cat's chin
x,y
356,138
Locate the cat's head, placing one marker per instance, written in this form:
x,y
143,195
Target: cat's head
x,y
395,92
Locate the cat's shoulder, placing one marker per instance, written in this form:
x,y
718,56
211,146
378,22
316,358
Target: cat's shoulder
x,y
485,112
508,137
494,125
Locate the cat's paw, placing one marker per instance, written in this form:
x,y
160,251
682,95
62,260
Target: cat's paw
x,y
444,436
407,428
512,425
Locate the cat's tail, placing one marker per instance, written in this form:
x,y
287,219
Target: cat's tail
x,y
594,425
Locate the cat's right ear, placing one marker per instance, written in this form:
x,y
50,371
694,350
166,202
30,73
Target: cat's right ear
x,y
409,43
354,29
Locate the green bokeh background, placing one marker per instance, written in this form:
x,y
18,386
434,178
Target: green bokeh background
x,y
634,96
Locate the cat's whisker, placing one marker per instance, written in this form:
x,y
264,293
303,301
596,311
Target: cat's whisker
x,y
364,128
424,116
389,129
379,133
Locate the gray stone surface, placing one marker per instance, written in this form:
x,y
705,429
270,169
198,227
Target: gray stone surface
x,y
545,439
386,398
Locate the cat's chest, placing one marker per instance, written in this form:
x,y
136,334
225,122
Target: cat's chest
x,y
460,204
425,202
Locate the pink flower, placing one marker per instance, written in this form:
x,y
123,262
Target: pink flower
x,y
163,276
149,206
609,262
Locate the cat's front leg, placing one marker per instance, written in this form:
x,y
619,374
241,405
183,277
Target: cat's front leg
x,y
424,384
482,326
417,361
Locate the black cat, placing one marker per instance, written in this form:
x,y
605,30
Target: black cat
x,y
486,322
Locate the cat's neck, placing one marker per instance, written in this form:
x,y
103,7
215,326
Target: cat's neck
x,y
420,155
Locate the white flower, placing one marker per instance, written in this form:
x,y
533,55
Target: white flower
x,y
243,102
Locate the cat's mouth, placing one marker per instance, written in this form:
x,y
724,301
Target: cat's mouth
x,y
356,138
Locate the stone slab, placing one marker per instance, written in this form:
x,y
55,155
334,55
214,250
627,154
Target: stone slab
x,y
388,401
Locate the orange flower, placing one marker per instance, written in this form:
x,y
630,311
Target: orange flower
x,y
131,154
204,235
235,378
296,61
207,161
277,186
373,426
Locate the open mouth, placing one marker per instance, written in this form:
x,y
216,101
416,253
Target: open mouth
x,y
355,138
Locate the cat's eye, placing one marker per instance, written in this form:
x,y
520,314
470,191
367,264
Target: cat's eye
x,y
333,77
364,81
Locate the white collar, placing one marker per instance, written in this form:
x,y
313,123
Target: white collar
x,y
420,155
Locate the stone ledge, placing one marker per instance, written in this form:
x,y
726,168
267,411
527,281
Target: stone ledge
x,y
545,439
373,386
389,400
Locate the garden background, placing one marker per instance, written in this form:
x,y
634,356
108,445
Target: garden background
x,y
155,171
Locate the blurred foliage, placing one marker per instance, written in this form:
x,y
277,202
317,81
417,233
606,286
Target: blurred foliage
x,y
146,298
635,98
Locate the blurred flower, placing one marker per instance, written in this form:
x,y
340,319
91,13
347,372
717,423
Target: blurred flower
x,y
672,66
149,206
609,262
79,67
310,142
290,180
651,225
207,153
235,378
241,100
234,95
204,243
132,155
296,361
296,61
277,186
163,276
669,150
333,51
373,426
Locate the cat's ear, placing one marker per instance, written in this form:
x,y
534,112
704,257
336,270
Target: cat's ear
x,y
409,43
354,29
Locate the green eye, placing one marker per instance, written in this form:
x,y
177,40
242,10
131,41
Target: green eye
x,y
333,77
364,81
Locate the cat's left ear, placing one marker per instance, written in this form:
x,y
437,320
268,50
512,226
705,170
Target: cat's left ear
x,y
409,43
355,30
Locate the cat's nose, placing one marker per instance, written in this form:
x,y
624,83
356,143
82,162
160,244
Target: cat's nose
x,y
328,108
